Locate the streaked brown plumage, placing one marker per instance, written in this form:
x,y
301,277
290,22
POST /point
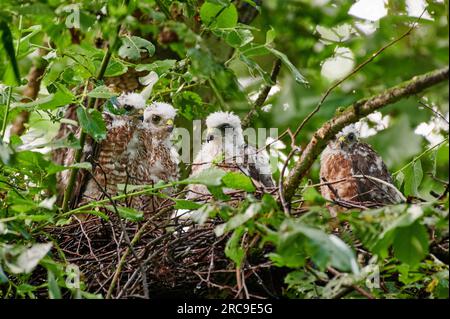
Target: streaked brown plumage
x,y
354,174
136,151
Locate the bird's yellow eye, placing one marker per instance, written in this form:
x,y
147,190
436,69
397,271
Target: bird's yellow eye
x,y
156,119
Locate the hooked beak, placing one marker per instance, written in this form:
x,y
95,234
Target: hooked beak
x,y
170,126
342,141
210,135
141,115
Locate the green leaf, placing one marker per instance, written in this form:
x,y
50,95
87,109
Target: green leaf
x,y
115,68
22,259
236,180
186,204
311,195
217,193
132,47
92,123
127,213
209,177
238,220
413,179
53,288
202,63
253,66
8,45
233,248
297,241
219,16
96,213
222,3
101,92
160,66
411,244
399,180
401,132
295,72
189,104
239,37
407,217
61,97
270,35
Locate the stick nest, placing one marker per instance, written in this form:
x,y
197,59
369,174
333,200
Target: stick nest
x,y
174,258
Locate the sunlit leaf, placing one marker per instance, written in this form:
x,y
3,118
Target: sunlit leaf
x,y
133,46
236,180
127,213
23,259
8,45
219,16
101,92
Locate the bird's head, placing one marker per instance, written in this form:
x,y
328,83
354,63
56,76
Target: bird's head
x,y
224,127
159,118
133,104
128,104
345,140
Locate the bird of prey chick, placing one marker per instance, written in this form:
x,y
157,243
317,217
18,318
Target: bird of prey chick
x,y
226,148
137,150
353,174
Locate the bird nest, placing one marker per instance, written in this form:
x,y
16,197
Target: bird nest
x,y
172,258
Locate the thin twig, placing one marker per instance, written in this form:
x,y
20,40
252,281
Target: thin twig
x,y
356,70
434,111
135,239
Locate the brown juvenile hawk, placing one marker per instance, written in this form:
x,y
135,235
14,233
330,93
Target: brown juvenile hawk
x,y
354,174
136,151
225,148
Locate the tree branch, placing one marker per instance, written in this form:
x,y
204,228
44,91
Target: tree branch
x,y
351,115
30,92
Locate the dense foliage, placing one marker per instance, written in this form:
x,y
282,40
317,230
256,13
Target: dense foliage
x,y
218,55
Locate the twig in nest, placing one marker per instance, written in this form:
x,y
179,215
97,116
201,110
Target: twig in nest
x,y
135,239
127,238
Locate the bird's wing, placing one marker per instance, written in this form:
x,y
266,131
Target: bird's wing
x,y
107,158
258,166
366,162
336,174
